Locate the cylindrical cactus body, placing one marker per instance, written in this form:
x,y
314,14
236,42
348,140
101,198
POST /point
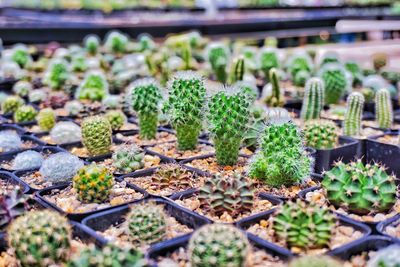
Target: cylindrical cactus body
x,y
314,98
353,116
383,109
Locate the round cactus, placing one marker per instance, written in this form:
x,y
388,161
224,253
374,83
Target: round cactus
x,y
37,96
218,56
112,102
172,176
46,119
9,141
299,65
321,134
218,245
92,43
73,108
57,74
116,118
355,71
353,116
11,104
52,171
369,94
386,257
303,225
65,132
328,58
20,55
128,159
361,189
314,98
78,63
94,87
27,160
96,135
315,261
25,113
301,78
116,42
268,60
40,238
22,88
334,77
93,184
383,109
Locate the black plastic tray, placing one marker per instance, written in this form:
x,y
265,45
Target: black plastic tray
x,y
6,85
4,175
394,221
12,127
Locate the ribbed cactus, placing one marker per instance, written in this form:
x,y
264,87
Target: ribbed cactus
x,y
218,245
185,107
268,60
96,135
27,160
353,116
335,80
313,101
321,134
274,98
386,257
228,119
172,176
315,261
218,56
52,171
46,119
116,118
11,104
25,113
383,109
237,70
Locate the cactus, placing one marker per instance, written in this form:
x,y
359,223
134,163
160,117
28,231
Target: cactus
x,y
57,75
37,96
303,225
144,98
78,63
281,159
218,245
29,159
92,43
9,141
93,184
379,61
249,89
335,80
12,205
56,100
353,116
186,54
237,70
185,106
46,119
360,189
22,88
321,134
386,257
73,108
116,118
128,159
25,113
274,98
172,176
315,261
40,238
116,42
146,224
233,195
369,94
112,102
218,56
96,135
11,70
20,55
301,78
65,132
94,87
313,101
383,109
228,118
52,171
268,60
355,71
11,104
328,58
300,65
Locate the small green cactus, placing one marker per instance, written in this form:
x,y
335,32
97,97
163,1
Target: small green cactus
x,y
335,80
237,70
353,116
304,225
46,119
57,75
21,55
355,71
94,87
274,98
314,98
93,184
383,109
24,114
386,257
96,135
218,56
300,65
315,261
301,78
218,245
329,57
321,134
116,42
116,118
92,44
11,104
368,93
268,60
128,159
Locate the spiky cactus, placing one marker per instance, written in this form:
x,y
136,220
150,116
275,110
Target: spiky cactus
x,y
184,107
281,159
218,245
65,132
25,113
46,119
386,257
268,60
94,87
128,159
237,70
92,44
383,109
116,118
304,225
334,77
321,134
93,183
144,98
228,118
116,42
329,57
172,176
355,71
40,238
96,135
299,65
274,98
146,224
20,55
57,75
361,189
313,101
37,96
9,141
353,116
29,159
22,88
218,56
52,171
315,261
11,104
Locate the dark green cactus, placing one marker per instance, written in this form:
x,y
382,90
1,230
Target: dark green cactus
x,y
218,56
383,109
335,81
353,116
314,98
321,134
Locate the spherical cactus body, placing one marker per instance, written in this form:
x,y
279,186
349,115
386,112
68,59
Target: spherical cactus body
x,y
94,87
353,116
218,56
27,160
46,119
11,104
321,134
22,88
173,176
65,132
96,135
314,98
57,75
92,44
128,159
383,109
116,42
335,81
116,118
25,114
315,261
73,108
10,141
53,171
275,97
37,96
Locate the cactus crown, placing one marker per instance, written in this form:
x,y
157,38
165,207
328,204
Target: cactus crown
x,y
145,96
9,141
218,56
304,225
353,116
383,109
128,158
359,188
29,159
314,98
94,87
65,132
25,113
386,257
11,104
53,171
96,135
335,80
12,205
321,134
173,176
46,119
315,261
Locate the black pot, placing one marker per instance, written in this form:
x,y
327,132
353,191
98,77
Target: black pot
x,y
394,221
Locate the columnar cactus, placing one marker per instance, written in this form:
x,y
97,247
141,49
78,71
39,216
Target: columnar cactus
x,y
335,80
92,44
52,171
146,224
321,134
116,42
237,70
274,98
218,245
228,118
268,60
315,261
304,225
218,56
314,98
383,109
361,189
185,107
93,184
96,135
116,118
128,159
40,238
172,176
27,160
144,98
353,116
94,87
66,132
25,113
46,119
386,257
11,104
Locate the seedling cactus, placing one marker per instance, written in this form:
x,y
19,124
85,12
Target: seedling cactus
x,y
96,135
116,42
94,87
25,113
92,44
383,109
22,88
353,116
46,119
314,98
57,75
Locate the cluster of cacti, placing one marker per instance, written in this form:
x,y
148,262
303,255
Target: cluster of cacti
x,y
173,176
11,104
281,159
383,109
46,119
29,159
268,60
128,158
93,183
273,96
314,99
57,75
40,238
12,205
97,135
386,257
94,87
65,132
146,224
218,245
22,88
238,68
52,171
360,188
353,116
116,42
10,141
25,113
116,118
335,80
321,134
315,261
218,56
304,225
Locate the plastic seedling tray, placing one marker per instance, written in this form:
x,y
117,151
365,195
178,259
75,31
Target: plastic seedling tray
x,y
12,127
394,221
12,179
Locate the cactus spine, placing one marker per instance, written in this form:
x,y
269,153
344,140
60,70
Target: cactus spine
x,y
313,102
11,104
46,119
353,116
237,70
96,135
321,134
383,109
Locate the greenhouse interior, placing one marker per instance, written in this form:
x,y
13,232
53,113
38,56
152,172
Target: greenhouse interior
x,y
199,133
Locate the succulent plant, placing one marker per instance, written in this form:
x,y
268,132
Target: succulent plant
x,y
94,87
78,63
299,66
268,60
40,238
73,107
116,118
46,119
92,44
25,113
321,134
315,261
9,141
313,101
304,225
128,158
335,80
249,89
274,96
37,96
301,78
56,100
65,132
355,71
53,171
11,104
57,75
383,109
185,106
386,257
369,94
238,68
22,88
96,135
329,57
12,205
146,224
116,42
93,183
112,102
353,116
29,159
228,118
218,56
172,176
145,97
361,189
380,60
20,55
218,245
281,159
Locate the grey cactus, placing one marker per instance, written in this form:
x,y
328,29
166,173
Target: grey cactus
x,y
53,171
9,141
314,98
27,160
383,109
353,116
65,132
